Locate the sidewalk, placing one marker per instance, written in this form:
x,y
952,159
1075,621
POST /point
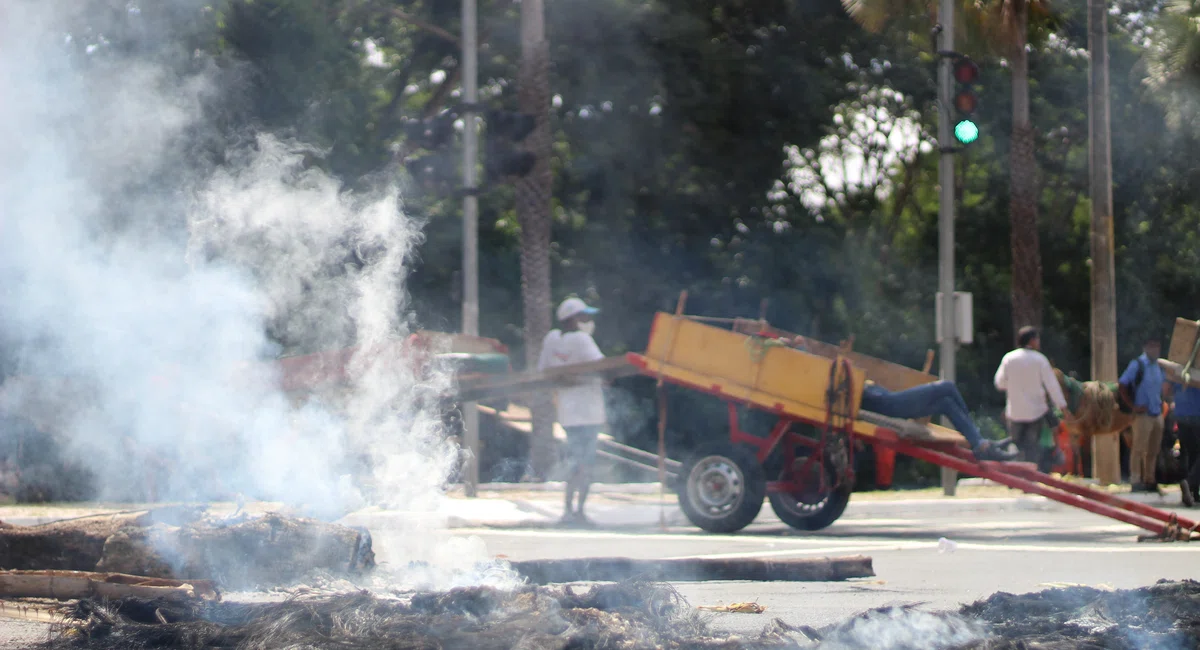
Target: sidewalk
x,y
639,505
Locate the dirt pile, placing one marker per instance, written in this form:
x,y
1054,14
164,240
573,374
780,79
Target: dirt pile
x,y
631,616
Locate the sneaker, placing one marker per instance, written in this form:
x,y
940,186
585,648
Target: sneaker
x,y
583,522
991,451
1189,499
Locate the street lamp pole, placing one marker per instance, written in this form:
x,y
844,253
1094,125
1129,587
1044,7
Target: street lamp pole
x,y
470,271
946,209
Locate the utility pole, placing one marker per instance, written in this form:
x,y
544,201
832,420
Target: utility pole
x,y
1106,468
946,144
470,272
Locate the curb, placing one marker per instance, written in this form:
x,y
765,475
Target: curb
x,y
952,505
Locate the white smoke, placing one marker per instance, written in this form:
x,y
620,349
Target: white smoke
x,y
142,285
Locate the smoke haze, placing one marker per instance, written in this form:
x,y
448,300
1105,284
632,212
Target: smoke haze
x,y
138,283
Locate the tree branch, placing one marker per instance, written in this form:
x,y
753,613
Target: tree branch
x,y
432,29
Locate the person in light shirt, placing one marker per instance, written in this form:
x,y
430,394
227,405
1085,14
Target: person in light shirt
x,y
580,406
1027,378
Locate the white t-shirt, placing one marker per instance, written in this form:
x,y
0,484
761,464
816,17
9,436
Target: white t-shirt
x,y
1027,377
582,403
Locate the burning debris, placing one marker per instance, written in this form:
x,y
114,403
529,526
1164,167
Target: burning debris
x,y
629,616
186,543
1165,616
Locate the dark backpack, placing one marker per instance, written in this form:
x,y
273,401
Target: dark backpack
x,y
1137,382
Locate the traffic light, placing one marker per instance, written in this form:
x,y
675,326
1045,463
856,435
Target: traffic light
x,y
966,75
502,158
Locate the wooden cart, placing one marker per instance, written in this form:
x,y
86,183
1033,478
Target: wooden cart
x,y
747,363
722,484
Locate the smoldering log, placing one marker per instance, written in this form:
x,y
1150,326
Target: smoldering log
x,y
616,569
75,544
269,550
249,552
68,585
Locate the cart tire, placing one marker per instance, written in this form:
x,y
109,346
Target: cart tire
x,y
721,487
810,517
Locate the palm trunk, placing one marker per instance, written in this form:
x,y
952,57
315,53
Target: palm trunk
x,y
1023,203
533,214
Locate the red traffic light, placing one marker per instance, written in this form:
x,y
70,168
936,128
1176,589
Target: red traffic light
x,y
965,71
966,102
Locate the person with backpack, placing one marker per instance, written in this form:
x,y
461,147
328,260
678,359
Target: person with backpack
x,y
1142,387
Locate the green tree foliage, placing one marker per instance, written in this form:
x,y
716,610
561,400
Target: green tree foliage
x,y
739,149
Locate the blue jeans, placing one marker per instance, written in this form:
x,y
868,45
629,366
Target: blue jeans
x,y
938,398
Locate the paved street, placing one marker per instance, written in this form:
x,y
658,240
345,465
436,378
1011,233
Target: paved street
x,y
1005,542
1020,546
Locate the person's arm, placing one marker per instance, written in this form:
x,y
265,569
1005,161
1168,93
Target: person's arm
x,y
588,350
1001,380
545,356
1053,388
1123,383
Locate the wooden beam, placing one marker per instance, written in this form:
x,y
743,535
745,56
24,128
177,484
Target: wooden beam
x,y
488,388
68,585
1174,372
1183,341
615,569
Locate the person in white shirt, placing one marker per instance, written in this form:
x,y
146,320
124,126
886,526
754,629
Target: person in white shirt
x,y
1027,378
581,409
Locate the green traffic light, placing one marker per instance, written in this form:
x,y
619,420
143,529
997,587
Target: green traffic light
x,y
966,132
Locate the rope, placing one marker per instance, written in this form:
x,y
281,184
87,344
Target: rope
x,y
839,420
758,347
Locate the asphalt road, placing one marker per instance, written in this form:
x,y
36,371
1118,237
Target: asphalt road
x,y
1018,552
1018,549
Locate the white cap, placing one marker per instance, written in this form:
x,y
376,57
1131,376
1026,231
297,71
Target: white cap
x,y
573,307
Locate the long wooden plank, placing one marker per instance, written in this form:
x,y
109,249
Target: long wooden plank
x,y
488,388
1183,341
615,569
891,376
66,585
1174,372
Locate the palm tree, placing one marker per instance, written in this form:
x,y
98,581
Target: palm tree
x,y
1003,26
1173,59
533,215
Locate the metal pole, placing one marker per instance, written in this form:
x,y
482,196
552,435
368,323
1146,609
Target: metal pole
x,y
946,211
1106,463
470,305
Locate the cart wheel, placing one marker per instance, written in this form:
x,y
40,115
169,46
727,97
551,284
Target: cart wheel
x,y
815,508
721,487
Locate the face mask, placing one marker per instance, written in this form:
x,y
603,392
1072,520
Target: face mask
x,y
588,328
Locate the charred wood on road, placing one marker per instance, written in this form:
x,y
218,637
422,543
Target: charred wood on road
x,y
184,544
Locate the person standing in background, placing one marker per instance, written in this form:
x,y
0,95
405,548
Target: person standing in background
x,y
581,410
1026,378
1187,420
1142,386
